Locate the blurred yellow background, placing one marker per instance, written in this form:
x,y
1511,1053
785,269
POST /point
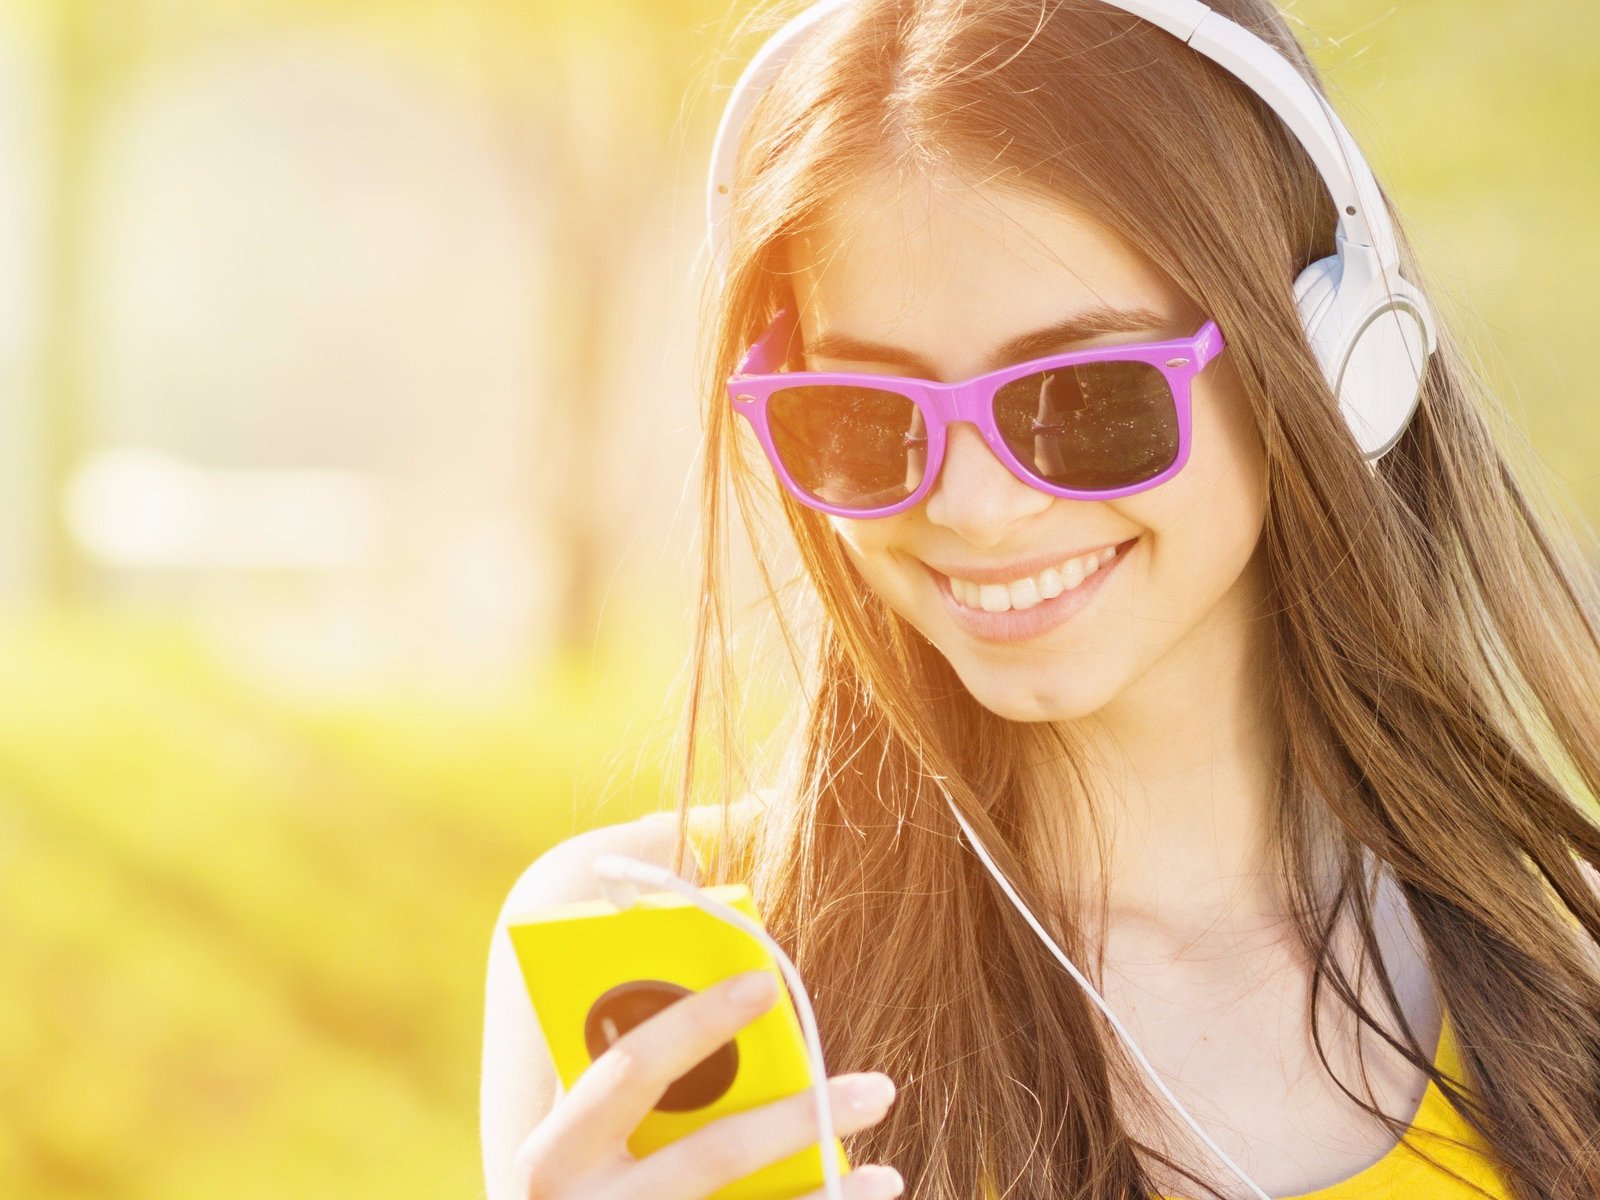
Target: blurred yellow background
x,y
321,613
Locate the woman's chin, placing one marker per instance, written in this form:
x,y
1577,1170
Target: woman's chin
x,y
1035,695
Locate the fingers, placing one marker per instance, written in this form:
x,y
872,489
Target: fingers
x,y
875,1181
589,1126
728,1149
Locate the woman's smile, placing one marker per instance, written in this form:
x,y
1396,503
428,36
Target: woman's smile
x,y
1033,605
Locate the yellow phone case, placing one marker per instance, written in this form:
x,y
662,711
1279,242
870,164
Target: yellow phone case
x,y
593,971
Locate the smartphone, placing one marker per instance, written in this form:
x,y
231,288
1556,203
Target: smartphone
x,y
594,971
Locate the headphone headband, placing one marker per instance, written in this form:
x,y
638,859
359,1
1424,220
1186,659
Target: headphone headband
x,y
1363,220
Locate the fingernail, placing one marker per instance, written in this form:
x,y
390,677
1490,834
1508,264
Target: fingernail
x,y
871,1092
882,1180
753,990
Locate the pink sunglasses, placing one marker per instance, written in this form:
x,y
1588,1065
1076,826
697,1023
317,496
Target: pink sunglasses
x,y
1087,425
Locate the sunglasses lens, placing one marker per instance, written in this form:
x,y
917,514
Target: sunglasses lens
x,y
1098,426
854,447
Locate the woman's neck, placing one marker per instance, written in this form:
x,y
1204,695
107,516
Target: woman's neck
x,y
1183,767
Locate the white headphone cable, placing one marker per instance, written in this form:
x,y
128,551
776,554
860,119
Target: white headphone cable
x,y
1099,1001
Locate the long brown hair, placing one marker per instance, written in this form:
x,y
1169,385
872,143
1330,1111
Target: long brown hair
x,y
1435,623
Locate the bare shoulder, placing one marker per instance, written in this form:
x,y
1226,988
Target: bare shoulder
x,y
518,1084
565,872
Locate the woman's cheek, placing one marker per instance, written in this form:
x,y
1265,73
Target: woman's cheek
x,y
870,550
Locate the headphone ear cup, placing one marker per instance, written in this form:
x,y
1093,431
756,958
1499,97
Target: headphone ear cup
x,y
1381,382
1375,372
1314,290
1314,287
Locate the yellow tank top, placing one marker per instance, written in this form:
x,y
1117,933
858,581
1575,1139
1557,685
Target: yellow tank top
x,y
1400,1174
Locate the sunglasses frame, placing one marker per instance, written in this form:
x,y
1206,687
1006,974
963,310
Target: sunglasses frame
x,y
754,381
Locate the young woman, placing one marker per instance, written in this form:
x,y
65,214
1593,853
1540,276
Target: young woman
x,y
1293,752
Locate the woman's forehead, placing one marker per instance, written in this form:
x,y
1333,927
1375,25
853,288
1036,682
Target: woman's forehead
x,y
902,261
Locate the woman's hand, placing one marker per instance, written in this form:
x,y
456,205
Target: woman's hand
x,y
579,1150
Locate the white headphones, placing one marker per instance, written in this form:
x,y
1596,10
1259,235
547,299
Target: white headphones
x,y
1365,324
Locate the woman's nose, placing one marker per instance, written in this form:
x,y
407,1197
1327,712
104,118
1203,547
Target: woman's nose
x,y
976,495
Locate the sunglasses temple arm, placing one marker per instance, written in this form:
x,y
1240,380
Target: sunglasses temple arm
x,y
761,358
1208,344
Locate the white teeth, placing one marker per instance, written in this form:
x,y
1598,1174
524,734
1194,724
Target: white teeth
x,y
995,597
1025,593
1034,589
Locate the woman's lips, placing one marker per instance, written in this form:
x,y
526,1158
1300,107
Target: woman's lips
x,y
1015,625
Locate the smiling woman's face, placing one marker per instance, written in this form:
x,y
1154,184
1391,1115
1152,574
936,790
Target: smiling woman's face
x,y
937,277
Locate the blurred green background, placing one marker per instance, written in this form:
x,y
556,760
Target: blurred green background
x,y
315,629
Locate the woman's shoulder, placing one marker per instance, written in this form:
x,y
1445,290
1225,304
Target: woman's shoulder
x,y
564,873
705,830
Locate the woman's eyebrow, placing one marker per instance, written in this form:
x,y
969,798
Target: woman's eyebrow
x,y
1080,326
